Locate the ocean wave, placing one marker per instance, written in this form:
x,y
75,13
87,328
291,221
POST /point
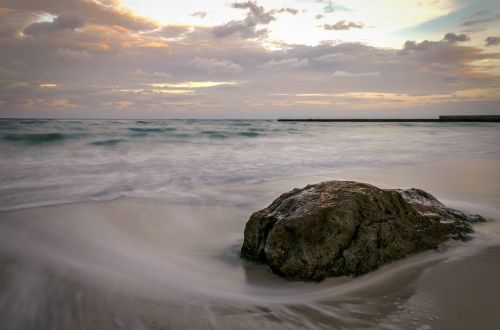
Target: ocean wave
x,y
33,121
249,134
215,134
147,130
38,138
111,142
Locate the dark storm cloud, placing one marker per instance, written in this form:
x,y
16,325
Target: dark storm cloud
x,y
343,26
454,38
492,41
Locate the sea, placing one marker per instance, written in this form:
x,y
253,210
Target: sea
x,y
47,162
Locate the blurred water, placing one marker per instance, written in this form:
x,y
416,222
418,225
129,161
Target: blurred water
x,y
171,259
47,162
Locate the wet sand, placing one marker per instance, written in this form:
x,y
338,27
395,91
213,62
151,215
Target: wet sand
x,y
457,294
168,264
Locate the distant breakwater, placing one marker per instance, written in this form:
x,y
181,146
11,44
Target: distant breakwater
x,y
441,119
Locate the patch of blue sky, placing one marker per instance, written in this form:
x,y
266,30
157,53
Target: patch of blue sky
x,y
453,21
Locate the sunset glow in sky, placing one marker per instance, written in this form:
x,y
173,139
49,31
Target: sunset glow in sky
x,y
248,59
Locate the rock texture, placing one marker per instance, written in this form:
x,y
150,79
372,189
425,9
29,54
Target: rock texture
x,y
348,228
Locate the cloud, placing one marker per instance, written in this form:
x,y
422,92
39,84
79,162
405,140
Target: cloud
x,y
411,45
478,21
332,7
290,63
150,76
7,28
21,84
446,50
454,38
19,63
118,105
335,57
345,74
6,74
195,84
454,64
107,12
7,31
439,51
51,103
47,85
492,41
171,31
440,67
72,55
343,25
215,65
248,27
200,14
257,12
65,21
292,11
105,63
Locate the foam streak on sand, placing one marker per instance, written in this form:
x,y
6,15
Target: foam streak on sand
x,y
141,257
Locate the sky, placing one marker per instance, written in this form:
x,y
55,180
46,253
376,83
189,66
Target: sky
x,y
249,59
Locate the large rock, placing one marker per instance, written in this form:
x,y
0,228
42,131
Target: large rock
x,y
348,228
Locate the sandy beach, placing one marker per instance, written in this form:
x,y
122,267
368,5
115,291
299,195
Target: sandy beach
x,y
163,264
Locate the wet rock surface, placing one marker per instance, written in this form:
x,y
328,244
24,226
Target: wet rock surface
x,y
339,228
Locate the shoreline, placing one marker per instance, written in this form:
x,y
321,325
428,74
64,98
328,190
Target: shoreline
x,y
459,181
